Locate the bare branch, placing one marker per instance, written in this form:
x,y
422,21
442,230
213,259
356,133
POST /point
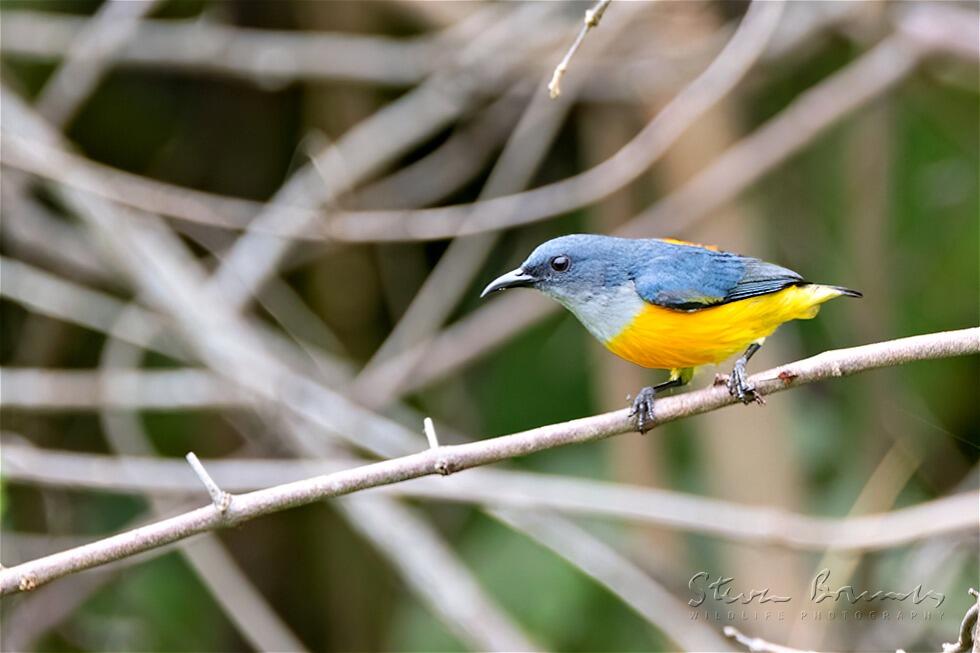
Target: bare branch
x,y
263,56
138,192
721,76
431,567
513,489
365,148
181,389
908,46
90,48
430,433
592,18
605,565
448,459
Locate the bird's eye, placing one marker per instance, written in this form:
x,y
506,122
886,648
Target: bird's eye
x,y
560,263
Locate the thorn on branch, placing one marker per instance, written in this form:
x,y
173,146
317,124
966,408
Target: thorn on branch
x,y
592,18
220,498
430,433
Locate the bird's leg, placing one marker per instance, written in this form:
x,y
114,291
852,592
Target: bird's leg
x,y
642,407
738,384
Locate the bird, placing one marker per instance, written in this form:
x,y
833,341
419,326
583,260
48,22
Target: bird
x,y
670,304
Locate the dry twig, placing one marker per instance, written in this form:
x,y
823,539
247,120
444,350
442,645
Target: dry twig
x,y
592,18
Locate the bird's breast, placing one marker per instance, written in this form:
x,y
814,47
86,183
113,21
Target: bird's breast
x,y
665,338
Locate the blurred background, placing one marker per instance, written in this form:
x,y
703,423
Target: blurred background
x,y
215,239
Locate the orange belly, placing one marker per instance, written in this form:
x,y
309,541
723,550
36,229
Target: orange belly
x,y
665,338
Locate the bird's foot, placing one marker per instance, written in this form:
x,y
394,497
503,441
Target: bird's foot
x,y
740,388
642,409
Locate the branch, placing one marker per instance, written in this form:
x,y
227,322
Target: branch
x,y
88,54
723,74
377,140
758,525
618,574
592,18
261,56
48,389
915,39
448,459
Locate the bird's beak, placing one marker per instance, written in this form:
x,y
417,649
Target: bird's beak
x,y
513,279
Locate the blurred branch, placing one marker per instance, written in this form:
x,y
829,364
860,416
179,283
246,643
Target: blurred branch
x,y
757,644
89,50
605,565
449,459
917,36
158,390
434,571
721,76
264,56
451,165
135,191
525,150
33,232
592,18
368,146
512,489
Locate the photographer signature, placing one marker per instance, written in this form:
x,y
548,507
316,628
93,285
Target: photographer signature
x,y
722,589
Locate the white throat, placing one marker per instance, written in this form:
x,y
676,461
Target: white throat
x,y
606,313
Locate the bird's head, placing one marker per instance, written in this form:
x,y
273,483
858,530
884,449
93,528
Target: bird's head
x,y
572,269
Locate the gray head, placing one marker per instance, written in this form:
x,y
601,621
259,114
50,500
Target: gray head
x,y
573,269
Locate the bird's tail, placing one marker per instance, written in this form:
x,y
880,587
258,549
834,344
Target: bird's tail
x,y
847,292
816,294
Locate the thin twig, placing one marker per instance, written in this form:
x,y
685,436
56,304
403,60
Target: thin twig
x,y
449,459
220,498
592,18
430,433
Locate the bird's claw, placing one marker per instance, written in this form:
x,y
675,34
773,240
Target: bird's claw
x,y
642,410
740,388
